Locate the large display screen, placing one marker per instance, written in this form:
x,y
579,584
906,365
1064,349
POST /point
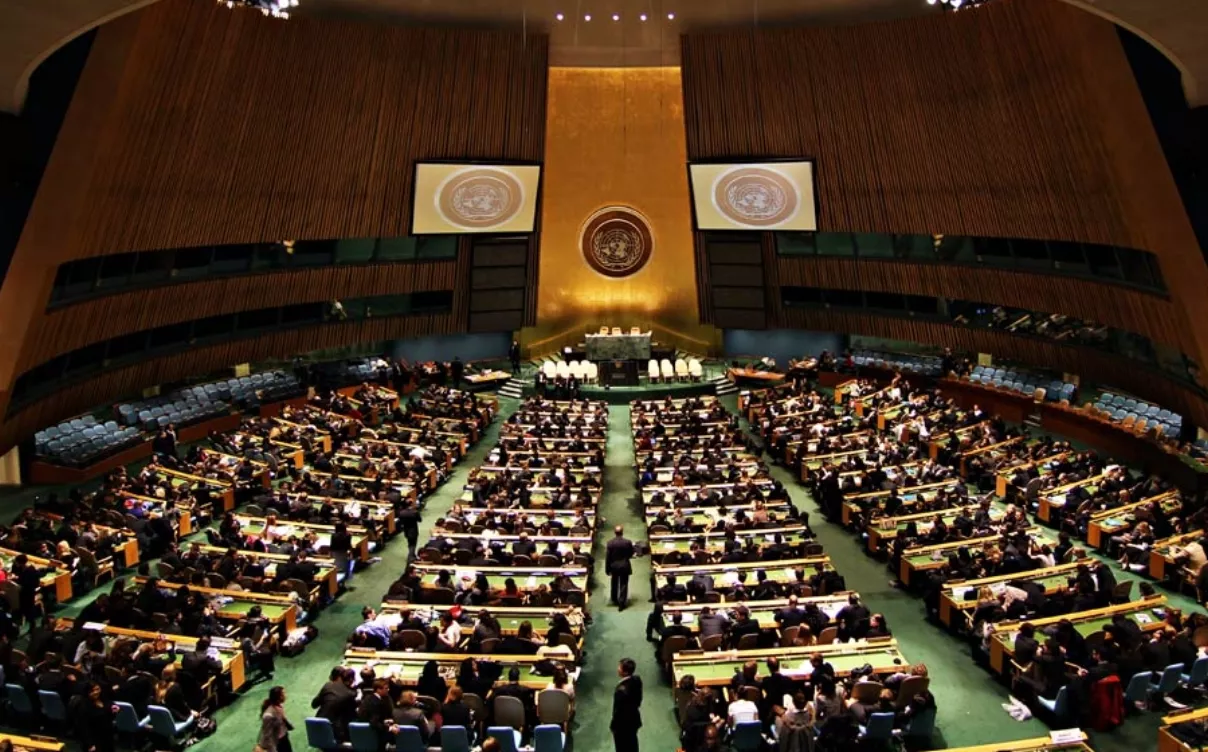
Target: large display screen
x,y
474,198
754,196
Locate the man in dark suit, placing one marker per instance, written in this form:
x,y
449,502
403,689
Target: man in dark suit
x,y
200,664
515,689
337,701
626,706
617,560
514,357
378,710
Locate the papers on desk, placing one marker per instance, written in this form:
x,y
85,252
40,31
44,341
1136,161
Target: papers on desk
x,y
729,578
95,626
1143,618
531,582
222,643
832,609
789,573
1066,736
668,545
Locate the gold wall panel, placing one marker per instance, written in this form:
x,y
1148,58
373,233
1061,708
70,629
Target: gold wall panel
x,y
615,137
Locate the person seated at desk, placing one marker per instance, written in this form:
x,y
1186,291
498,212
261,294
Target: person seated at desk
x,y
521,643
377,709
408,712
852,618
454,712
515,689
449,635
199,663
743,625
672,591
374,631
171,695
155,656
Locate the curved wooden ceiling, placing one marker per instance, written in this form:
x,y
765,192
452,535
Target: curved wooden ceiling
x,y
30,30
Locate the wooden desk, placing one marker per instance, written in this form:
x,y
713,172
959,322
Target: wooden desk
x,y
1168,742
528,579
232,658
291,453
127,550
783,571
1002,478
1162,555
321,438
990,449
717,669
221,489
1002,642
280,610
921,558
406,667
1056,498
58,580
1103,525
31,744
762,612
909,496
961,597
254,527
662,544
184,524
327,577
882,531
510,617
739,375
1038,744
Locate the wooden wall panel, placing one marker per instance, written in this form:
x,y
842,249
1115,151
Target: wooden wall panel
x,y
194,124
66,329
1117,306
1021,120
112,385
1092,364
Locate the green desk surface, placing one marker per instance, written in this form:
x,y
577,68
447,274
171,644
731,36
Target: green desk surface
x,y
844,663
924,524
766,617
408,671
1143,618
271,611
270,569
1051,582
523,581
286,530
1059,499
717,543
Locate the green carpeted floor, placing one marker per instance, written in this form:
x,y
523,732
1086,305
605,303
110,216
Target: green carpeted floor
x,y
969,698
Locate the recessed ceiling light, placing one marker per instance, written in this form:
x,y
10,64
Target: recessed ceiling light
x,y
559,16
587,17
616,16
670,16
642,17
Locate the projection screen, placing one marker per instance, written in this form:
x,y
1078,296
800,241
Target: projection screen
x,y
474,198
754,196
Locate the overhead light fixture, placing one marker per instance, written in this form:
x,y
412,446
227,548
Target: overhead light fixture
x,y
959,4
642,17
273,8
670,16
616,16
559,16
587,17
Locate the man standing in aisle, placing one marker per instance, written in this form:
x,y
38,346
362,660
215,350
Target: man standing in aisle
x,y
617,556
626,707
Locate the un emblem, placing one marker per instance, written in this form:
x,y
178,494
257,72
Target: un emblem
x,y
616,241
755,196
479,197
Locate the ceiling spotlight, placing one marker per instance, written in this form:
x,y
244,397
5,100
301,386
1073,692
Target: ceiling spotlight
x,y
642,17
616,16
587,17
670,16
559,16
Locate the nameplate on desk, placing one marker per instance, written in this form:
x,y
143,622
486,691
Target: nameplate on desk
x,y
222,643
96,626
1066,736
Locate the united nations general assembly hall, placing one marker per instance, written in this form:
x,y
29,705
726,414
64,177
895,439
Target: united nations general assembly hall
x,y
604,375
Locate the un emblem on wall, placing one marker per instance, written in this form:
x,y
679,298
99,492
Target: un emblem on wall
x,y
755,196
480,197
616,241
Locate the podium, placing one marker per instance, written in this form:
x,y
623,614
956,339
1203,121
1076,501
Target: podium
x,y
618,372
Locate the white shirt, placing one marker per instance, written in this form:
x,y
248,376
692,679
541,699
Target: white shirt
x,y
452,634
741,711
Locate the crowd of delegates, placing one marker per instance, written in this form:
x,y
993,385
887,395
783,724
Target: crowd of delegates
x,y
1073,485
818,711
436,700
90,670
59,539
454,611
